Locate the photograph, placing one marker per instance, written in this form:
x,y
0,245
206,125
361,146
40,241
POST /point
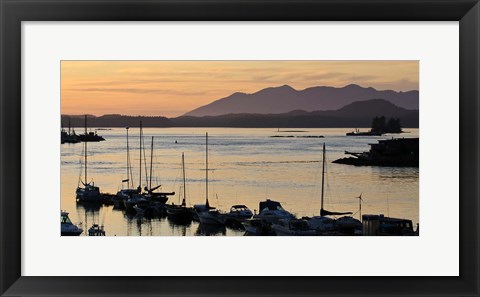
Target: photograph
x,y
239,148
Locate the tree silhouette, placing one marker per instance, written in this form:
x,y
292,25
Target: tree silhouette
x,y
380,125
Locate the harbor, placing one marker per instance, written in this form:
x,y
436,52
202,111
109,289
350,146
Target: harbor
x,y
245,167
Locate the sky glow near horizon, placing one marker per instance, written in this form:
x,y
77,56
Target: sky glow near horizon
x,y
172,88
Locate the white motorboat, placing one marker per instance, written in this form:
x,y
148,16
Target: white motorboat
x,y
67,227
239,212
256,227
272,211
348,224
294,227
212,217
321,224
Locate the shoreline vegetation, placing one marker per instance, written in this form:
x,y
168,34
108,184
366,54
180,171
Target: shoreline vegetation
x,y
358,114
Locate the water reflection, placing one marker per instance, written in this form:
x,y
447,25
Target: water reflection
x,y
210,230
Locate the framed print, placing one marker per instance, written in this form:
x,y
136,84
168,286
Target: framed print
x,y
341,138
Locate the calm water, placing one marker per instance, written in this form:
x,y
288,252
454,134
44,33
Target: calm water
x,y
245,167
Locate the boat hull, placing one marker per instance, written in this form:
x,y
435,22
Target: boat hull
x,y
179,214
284,231
71,233
89,194
211,218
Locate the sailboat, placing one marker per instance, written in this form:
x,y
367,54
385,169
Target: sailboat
x,y
68,137
150,194
126,193
136,199
207,214
181,213
324,223
89,192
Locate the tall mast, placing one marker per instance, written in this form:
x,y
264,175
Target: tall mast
x,y
86,149
151,163
206,168
184,189
323,177
128,162
140,179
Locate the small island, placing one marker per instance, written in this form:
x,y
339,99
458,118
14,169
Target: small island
x,y
380,126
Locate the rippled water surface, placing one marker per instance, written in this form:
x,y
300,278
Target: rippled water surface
x,y
245,167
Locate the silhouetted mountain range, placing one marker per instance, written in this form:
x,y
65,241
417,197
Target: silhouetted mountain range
x,y
284,99
357,114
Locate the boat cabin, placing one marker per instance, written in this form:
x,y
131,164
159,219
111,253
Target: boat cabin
x,y
96,230
64,219
270,205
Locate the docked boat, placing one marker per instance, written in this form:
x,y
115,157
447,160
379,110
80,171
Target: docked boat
x,y
239,212
257,227
325,225
321,224
96,230
212,217
70,136
271,211
136,202
150,191
207,214
90,136
89,192
181,213
67,227
349,225
237,215
360,133
296,227
129,191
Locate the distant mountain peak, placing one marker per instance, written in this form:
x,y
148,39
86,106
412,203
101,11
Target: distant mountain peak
x,y
286,87
276,90
353,86
284,98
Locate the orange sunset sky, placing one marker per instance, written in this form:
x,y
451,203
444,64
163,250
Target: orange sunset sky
x,y
172,88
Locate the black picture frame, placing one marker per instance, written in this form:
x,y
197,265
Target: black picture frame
x,y
13,12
